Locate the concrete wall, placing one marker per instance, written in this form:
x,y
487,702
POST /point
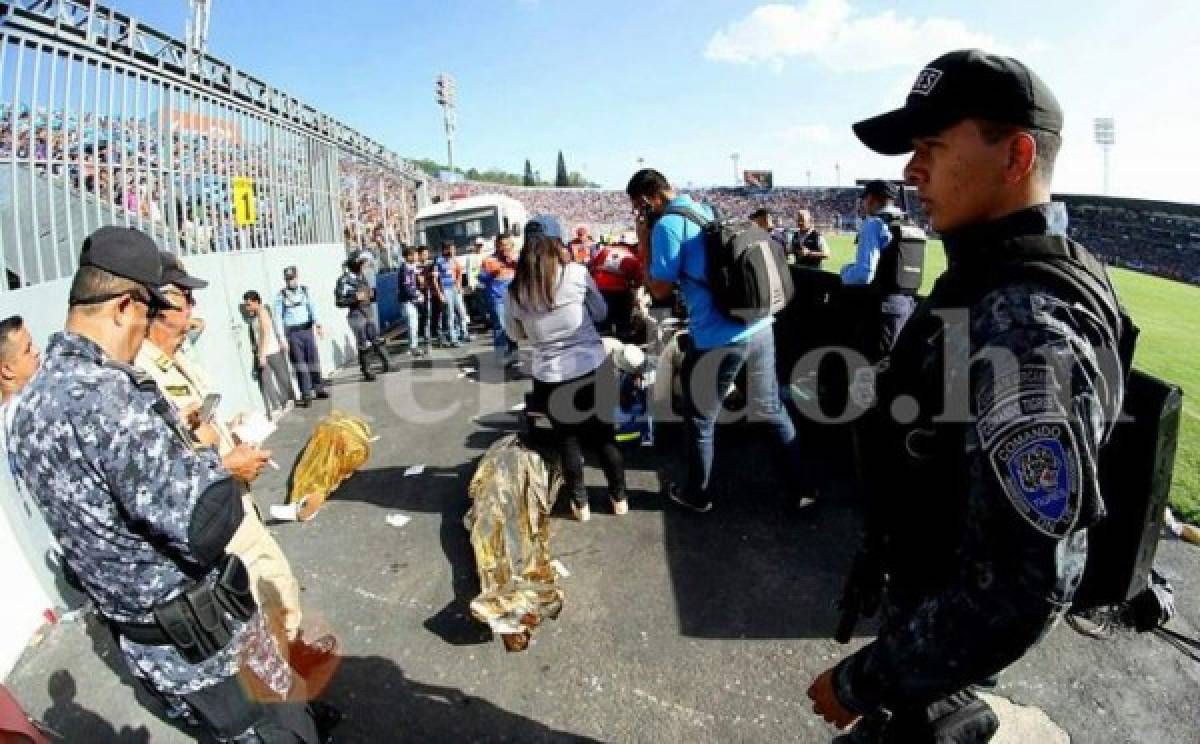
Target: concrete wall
x,y
26,553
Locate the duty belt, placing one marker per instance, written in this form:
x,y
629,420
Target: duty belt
x,y
301,327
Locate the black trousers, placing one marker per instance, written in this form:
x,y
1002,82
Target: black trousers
x,y
620,314
366,335
571,408
228,711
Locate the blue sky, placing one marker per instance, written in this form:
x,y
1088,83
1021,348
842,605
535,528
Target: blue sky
x,y
685,84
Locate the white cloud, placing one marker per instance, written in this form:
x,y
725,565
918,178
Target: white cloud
x,y
833,34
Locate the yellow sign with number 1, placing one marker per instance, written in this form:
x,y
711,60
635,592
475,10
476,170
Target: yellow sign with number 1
x,y
244,212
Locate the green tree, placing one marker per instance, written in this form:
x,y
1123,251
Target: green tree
x,y
561,179
529,180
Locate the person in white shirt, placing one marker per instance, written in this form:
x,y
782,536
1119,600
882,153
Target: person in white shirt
x,y
554,305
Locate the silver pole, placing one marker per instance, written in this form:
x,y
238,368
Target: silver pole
x,y
68,114
97,166
51,173
23,280
276,202
112,138
35,225
12,146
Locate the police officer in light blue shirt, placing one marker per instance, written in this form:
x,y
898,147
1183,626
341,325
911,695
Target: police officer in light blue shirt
x,y
671,245
297,313
878,206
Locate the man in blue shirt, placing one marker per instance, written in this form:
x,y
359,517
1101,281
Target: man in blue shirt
x,y
297,313
671,246
878,207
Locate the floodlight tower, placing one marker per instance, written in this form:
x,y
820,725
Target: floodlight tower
x,y
737,174
197,32
445,92
1106,137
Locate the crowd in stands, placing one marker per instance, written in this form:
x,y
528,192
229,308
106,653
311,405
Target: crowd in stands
x,y
830,207
378,205
178,178
1151,237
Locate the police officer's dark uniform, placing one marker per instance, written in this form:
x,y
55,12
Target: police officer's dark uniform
x,y
354,293
986,520
804,243
143,519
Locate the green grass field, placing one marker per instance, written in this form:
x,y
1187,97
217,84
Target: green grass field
x,y
1166,349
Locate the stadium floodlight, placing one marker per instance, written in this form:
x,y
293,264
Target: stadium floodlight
x,y
445,92
1106,137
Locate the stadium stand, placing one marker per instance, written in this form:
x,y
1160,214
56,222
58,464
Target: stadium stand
x,y
1155,237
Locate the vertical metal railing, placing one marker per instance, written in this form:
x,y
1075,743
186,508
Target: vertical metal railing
x,y
90,136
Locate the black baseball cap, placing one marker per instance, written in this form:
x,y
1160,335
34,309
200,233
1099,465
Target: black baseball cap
x,y
885,189
175,273
965,84
129,254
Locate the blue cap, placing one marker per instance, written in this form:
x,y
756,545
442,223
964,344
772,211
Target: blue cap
x,y
544,224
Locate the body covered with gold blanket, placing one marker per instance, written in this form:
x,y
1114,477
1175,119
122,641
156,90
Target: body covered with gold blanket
x,y
512,493
338,447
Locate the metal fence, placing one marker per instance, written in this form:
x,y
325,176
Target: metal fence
x,y
105,121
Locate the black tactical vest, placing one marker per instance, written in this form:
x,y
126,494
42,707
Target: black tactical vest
x,y
924,461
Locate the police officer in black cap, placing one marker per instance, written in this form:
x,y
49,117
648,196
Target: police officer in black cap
x,y
144,509
874,267
990,411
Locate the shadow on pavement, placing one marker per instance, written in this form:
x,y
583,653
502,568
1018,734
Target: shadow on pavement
x,y
753,567
72,722
381,704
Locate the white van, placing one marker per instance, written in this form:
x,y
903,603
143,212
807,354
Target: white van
x,y
464,220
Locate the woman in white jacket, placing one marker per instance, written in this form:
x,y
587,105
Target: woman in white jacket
x,y
554,305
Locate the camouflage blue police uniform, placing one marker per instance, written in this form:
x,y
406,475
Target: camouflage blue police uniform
x,y
112,471
987,513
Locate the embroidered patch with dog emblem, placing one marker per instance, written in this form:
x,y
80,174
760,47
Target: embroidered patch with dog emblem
x,y
1037,466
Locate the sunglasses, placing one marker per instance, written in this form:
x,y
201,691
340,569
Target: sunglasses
x,y
152,310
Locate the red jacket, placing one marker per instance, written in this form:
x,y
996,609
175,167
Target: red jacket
x,y
615,268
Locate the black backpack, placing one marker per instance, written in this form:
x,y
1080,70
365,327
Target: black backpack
x,y
901,264
344,291
746,269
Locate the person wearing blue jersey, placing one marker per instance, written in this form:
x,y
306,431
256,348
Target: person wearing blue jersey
x,y
671,245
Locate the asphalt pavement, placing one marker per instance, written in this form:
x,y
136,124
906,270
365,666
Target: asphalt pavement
x,y
676,627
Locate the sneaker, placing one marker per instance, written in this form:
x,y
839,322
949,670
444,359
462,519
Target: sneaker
x,y
304,402
675,493
323,395
368,376
581,513
620,505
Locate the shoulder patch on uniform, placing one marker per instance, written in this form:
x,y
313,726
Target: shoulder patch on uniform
x,y
1037,466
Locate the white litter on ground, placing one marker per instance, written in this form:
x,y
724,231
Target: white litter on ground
x,y
413,470
285,512
559,568
397,520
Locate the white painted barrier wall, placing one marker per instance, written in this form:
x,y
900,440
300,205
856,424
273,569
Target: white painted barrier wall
x,y
30,585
